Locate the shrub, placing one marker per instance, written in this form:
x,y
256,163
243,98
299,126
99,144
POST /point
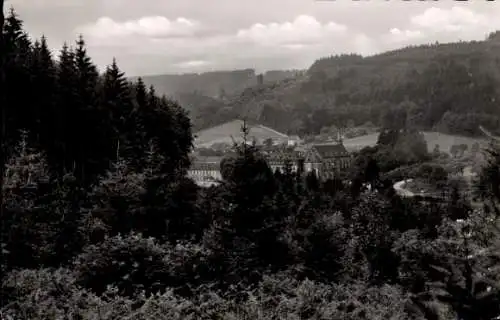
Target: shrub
x,y
135,264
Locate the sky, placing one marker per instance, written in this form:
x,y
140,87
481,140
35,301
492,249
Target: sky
x,y
181,36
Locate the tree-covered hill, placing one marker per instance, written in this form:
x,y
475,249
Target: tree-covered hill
x,y
450,88
212,98
204,111
213,83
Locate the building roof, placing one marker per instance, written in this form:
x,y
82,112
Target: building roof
x,y
300,149
330,150
282,154
209,166
201,159
205,163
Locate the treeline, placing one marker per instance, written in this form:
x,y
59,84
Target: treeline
x,y
451,88
81,119
261,245
214,84
137,239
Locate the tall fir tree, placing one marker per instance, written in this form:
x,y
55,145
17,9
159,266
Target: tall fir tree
x,y
66,115
96,145
16,53
140,115
171,125
141,94
183,133
43,80
116,99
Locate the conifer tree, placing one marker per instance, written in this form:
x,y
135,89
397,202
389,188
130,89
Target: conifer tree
x,y
116,99
249,228
63,157
141,106
183,134
116,199
96,145
28,223
43,86
16,39
140,115
17,51
170,126
141,94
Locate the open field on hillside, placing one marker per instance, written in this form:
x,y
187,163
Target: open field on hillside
x,y
445,141
225,133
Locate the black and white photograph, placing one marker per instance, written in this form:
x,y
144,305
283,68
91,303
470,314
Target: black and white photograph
x,y
249,160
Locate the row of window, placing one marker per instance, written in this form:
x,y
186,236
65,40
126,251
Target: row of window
x,y
310,166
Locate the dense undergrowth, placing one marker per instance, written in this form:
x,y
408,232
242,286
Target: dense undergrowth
x,y
119,232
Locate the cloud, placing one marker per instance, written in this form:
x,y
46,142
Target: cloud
x,y
364,45
444,25
152,27
399,36
185,44
157,44
168,36
192,64
45,3
303,30
453,19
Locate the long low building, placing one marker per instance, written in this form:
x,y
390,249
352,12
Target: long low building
x,y
326,160
205,170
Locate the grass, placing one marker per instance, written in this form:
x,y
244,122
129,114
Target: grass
x,y
445,141
226,132
418,185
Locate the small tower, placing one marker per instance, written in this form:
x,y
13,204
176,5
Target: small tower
x,y
260,79
340,135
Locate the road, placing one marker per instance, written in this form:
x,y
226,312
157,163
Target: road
x,y
400,185
401,191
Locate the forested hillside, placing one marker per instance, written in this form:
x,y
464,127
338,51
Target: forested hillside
x,y
100,221
214,83
452,88
209,96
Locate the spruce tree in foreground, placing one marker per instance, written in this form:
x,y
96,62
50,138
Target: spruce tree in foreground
x,y
43,84
66,114
96,145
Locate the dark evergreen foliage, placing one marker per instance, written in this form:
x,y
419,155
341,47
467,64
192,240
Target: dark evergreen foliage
x,y
100,220
68,97
451,88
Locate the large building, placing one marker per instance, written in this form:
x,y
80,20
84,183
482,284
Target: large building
x,y
205,171
326,160
286,158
